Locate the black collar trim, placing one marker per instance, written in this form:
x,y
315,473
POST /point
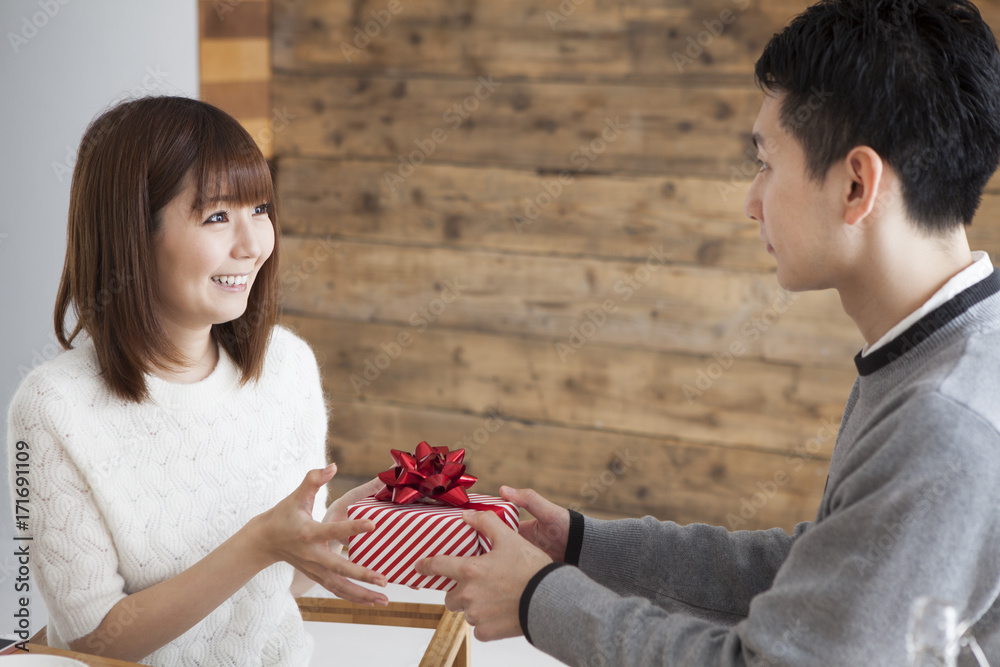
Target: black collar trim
x,y
923,328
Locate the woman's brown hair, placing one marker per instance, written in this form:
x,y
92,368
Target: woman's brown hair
x,y
132,161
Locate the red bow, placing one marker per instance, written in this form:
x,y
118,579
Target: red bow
x,y
433,472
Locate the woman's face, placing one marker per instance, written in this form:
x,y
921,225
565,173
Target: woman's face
x,y
207,261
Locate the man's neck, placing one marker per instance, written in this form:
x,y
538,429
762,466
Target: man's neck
x,y
899,276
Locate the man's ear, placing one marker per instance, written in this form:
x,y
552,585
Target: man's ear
x,y
864,176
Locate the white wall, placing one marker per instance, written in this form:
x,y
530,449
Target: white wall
x,y
61,63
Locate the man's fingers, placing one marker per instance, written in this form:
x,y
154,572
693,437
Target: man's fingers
x,y
491,632
529,500
512,495
529,531
489,524
440,566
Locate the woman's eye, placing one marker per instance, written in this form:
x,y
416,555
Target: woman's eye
x,y
263,209
220,216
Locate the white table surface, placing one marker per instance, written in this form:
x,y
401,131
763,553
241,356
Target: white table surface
x,y
381,646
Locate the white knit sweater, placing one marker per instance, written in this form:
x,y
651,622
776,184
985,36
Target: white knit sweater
x,y
123,496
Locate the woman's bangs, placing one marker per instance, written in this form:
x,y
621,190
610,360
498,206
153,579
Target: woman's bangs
x,y
233,171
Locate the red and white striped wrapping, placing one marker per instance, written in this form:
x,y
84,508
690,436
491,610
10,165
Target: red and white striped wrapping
x,y
404,534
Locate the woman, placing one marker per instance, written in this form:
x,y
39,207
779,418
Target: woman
x,y
167,442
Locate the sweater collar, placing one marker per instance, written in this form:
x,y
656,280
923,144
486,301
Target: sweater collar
x,y
197,395
927,325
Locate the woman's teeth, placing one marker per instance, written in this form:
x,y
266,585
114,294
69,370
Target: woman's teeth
x,y
230,280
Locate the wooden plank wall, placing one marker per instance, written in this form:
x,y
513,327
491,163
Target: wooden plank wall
x,y
516,226
235,63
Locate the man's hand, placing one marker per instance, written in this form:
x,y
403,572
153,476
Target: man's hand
x,y
549,530
489,587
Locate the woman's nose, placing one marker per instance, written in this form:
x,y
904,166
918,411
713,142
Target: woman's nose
x,y
246,244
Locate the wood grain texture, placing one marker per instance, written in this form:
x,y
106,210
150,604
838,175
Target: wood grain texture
x,y
592,40
451,643
699,220
234,18
468,144
235,60
398,614
241,99
751,403
594,470
648,304
449,646
235,64
490,121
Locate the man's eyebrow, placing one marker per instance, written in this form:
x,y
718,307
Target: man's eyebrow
x,y
757,140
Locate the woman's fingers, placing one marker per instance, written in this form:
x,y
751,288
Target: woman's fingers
x,y
339,565
338,509
342,587
339,531
351,592
346,568
369,488
305,542
305,495
320,563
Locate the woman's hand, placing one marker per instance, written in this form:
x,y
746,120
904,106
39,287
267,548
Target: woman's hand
x,y
287,532
337,511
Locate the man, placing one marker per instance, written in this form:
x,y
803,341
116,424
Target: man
x,y
867,194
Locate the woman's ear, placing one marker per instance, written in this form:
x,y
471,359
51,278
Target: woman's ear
x,y
864,176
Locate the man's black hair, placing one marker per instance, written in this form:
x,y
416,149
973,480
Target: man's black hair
x,y
916,81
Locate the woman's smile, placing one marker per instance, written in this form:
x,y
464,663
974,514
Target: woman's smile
x,y
232,283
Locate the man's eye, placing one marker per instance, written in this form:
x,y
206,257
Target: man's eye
x,y
220,216
263,209
761,165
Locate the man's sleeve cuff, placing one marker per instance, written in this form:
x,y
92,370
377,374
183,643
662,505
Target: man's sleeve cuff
x,y
574,543
529,590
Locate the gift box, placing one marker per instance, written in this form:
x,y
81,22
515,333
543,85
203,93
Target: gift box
x,y
419,514
405,534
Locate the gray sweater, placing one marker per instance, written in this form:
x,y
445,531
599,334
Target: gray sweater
x,y
911,507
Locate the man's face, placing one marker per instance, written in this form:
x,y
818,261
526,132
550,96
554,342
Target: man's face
x,y
799,217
